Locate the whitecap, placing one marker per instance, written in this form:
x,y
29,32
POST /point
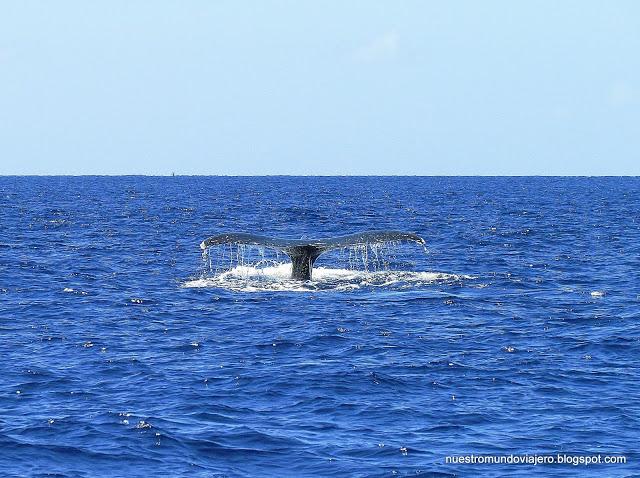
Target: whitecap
x,y
69,290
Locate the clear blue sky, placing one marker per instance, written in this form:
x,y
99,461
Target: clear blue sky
x,y
320,87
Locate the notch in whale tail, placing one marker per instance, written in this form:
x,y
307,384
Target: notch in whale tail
x,y
304,252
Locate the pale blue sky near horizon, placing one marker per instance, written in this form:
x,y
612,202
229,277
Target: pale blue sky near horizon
x,y
301,87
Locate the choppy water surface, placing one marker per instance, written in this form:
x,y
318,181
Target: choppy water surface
x,y
124,353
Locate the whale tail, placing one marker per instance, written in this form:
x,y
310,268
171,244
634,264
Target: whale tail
x,y
304,252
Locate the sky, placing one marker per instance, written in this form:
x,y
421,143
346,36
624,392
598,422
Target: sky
x,y
320,87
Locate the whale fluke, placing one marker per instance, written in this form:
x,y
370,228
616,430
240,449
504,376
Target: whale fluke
x,y
304,252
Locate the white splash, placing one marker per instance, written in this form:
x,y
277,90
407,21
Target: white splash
x,y
278,278
253,268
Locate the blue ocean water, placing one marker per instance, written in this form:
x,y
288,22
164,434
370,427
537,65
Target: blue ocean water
x,y
124,354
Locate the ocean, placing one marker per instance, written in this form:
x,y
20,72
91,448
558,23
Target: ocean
x,y
126,351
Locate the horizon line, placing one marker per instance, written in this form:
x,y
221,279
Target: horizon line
x,y
326,175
